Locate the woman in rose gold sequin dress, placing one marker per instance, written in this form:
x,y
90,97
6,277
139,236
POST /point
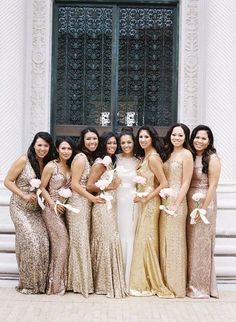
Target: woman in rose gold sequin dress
x,y
106,253
32,247
200,236
178,169
80,279
57,175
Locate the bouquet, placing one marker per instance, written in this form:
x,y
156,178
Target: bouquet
x,y
35,184
198,212
108,198
165,193
140,180
65,194
106,161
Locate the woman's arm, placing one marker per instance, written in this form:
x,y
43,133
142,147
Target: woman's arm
x,y
156,167
9,182
213,178
186,179
96,173
77,169
45,179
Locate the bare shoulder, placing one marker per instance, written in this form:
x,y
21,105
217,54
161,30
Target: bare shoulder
x,y
79,159
50,165
154,158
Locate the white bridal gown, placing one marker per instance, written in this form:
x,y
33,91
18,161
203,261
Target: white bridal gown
x,y
127,210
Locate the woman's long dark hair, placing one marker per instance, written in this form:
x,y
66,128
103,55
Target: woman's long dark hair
x,y
102,152
208,151
156,142
71,144
168,146
90,155
32,155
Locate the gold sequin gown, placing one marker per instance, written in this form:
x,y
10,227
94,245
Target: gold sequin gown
x,y
201,241
58,235
80,279
107,262
173,247
32,246
145,276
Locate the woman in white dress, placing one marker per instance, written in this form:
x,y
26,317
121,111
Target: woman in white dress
x,y
126,169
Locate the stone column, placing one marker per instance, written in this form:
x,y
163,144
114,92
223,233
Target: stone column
x,y
12,71
220,91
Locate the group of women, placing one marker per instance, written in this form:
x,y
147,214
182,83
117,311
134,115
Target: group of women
x,y
113,239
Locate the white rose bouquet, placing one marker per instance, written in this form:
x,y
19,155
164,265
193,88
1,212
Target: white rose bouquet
x,y
65,194
198,212
165,193
35,184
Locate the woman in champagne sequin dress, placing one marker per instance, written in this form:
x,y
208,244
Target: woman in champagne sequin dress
x,y
106,252
145,276
32,247
55,177
178,168
80,279
201,236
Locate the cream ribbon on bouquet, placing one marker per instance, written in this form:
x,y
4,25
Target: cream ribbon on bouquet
x,y
65,193
165,193
35,184
108,198
198,212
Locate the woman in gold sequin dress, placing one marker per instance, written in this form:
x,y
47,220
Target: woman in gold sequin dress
x,y
145,276
80,279
55,177
201,236
178,168
106,253
32,247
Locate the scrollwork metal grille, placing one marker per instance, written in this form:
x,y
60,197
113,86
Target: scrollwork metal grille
x,y
83,90
147,87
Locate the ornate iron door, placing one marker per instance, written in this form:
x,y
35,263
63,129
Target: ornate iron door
x,y
114,65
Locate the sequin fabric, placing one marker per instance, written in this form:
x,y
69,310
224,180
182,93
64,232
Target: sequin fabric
x,y
145,277
201,241
32,246
173,245
107,262
58,235
80,278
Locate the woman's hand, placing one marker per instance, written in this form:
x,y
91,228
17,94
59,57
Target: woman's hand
x,y
29,197
140,199
98,199
114,184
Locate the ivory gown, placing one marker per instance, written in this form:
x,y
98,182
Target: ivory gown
x,y
58,235
145,277
80,279
126,209
173,247
201,241
106,253
32,246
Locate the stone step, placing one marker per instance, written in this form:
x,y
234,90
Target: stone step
x,y
8,264
7,243
225,267
225,247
